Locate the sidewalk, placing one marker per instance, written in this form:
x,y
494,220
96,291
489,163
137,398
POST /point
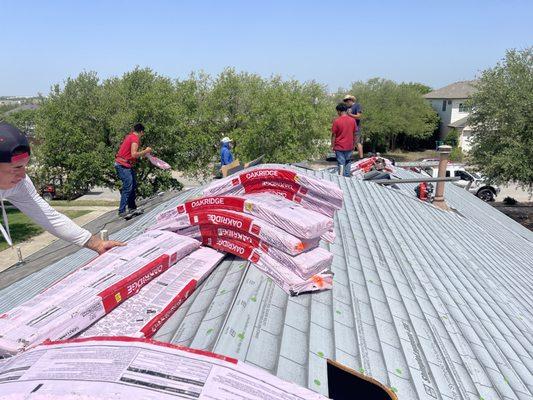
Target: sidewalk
x,y
9,256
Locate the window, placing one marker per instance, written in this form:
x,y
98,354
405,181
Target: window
x,y
447,174
463,107
465,176
443,105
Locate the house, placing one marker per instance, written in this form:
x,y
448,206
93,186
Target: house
x,y
450,103
434,304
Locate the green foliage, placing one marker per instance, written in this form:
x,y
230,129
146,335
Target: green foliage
x,y
502,120
391,109
456,155
82,124
509,201
24,119
452,138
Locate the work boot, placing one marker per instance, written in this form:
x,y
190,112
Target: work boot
x,y
126,215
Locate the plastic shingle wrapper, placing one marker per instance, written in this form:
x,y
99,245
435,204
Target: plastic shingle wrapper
x,y
143,314
92,291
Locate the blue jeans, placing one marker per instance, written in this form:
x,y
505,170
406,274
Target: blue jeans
x,y
129,187
344,160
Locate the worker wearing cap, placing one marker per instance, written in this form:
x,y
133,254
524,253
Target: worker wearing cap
x,y
355,111
18,189
225,151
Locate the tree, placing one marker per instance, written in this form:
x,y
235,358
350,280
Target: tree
x,y
391,109
502,120
81,125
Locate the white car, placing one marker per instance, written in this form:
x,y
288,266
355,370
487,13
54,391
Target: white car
x,y
476,184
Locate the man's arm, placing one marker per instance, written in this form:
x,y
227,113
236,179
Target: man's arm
x,y
334,130
138,154
357,114
26,199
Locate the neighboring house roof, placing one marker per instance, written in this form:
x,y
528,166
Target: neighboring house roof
x,y
457,90
460,123
432,303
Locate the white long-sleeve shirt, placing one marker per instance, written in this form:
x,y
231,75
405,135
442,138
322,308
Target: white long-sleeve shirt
x,y
26,199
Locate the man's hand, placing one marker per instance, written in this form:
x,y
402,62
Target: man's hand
x,y
148,150
101,246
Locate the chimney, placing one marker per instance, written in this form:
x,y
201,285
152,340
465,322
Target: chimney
x,y
444,152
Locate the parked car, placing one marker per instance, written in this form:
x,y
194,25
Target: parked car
x,y
476,184
53,191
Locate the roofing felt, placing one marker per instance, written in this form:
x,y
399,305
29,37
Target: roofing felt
x,y
434,304
457,90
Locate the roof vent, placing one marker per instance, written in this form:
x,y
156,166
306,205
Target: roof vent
x,y
444,153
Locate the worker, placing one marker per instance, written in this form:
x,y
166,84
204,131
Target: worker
x,y
17,188
225,151
355,111
343,139
127,156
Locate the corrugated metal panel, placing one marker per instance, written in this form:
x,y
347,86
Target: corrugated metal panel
x,y
434,304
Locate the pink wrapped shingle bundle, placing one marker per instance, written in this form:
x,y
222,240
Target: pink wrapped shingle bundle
x,y
93,290
361,167
284,214
157,162
265,231
308,186
304,265
143,314
290,191
283,276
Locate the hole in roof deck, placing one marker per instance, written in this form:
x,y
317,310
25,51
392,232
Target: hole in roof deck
x,y
347,384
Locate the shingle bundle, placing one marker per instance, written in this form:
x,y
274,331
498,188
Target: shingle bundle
x,y
146,312
256,223
361,167
92,291
316,194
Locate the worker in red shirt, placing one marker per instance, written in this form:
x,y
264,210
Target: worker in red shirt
x,y
343,139
125,160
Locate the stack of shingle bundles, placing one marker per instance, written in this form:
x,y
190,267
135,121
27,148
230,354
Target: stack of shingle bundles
x,y
315,194
266,229
365,165
188,223
143,314
92,291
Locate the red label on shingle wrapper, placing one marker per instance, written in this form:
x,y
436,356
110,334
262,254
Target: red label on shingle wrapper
x,y
266,185
151,328
212,202
129,286
267,174
222,218
235,235
234,247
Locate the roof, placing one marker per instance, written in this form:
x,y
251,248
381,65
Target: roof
x,y
460,123
457,90
434,304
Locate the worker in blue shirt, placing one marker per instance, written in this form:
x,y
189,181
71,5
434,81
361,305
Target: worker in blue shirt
x,y
225,152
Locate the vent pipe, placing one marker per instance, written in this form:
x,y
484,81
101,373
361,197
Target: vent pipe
x,y
444,153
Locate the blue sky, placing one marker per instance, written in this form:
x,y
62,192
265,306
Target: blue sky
x,y
335,43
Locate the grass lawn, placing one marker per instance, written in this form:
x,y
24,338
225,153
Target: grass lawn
x,y
22,228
